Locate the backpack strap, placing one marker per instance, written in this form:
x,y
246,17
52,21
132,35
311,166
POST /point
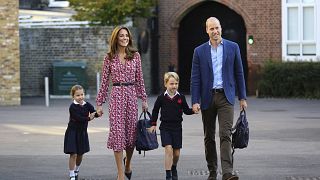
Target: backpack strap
x,y
243,111
232,151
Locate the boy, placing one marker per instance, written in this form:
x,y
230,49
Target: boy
x,y
172,105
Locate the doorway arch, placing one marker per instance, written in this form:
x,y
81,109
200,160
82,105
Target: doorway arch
x,y
192,33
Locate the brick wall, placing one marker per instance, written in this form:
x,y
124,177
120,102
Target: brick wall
x,y
262,20
9,53
40,47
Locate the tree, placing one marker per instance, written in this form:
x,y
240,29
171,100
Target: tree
x,y
111,12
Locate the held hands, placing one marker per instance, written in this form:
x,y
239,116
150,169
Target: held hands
x,y
91,115
152,129
196,108
99,111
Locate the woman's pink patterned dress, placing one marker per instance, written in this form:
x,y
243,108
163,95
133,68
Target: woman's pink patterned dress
x,y
123,100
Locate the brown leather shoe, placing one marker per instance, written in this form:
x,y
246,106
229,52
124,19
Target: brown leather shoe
x,y
229,176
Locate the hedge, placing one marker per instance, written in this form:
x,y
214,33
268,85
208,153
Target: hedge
x,y
290,79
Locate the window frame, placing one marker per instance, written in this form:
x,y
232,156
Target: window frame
x,y
54,3
300,41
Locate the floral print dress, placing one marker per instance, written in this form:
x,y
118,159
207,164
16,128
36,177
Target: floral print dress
x,y
123,100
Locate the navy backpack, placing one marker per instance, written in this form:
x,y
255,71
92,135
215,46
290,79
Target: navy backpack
x,y
145,141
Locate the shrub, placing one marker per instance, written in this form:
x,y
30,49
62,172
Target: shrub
x,y
290,79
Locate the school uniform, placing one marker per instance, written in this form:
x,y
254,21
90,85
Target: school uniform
x,y
171,118
76,139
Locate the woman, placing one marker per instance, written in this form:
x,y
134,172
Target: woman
x,y
122,66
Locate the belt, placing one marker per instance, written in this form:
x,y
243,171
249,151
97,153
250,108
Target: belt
x,y
217,90
123,84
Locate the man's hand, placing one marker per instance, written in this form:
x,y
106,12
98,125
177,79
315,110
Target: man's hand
x,y
243,104
196,108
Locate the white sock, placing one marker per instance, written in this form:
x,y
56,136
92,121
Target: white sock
x,y
71,173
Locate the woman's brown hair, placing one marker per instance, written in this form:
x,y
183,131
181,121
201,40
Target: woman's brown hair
x,y
113,44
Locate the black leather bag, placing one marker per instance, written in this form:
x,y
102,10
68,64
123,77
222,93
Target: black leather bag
x,y
145,141
240,132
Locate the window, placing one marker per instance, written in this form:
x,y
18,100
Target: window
x,y
300,24
58,3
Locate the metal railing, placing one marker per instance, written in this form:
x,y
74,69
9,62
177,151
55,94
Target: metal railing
x,y
52,23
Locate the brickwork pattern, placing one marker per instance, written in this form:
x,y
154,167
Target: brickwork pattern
x,y
9,53
40,47
262,20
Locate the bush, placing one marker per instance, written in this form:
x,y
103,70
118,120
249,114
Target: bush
x,y
290,79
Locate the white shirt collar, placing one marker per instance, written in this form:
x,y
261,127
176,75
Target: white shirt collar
x,y
75,102
173,95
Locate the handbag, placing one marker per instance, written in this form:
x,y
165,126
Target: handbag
x,y
240,132
145,140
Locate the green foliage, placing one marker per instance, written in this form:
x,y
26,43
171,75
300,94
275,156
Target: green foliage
x,y
290,79
111,12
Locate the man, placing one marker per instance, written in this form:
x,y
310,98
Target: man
x,y
216,74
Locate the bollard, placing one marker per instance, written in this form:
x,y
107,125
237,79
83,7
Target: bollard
x,y
98,82
46,89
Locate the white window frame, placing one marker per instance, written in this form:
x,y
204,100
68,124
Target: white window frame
x,y
285,42
53,3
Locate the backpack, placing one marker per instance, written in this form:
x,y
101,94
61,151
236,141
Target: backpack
x,y
145,141
240,132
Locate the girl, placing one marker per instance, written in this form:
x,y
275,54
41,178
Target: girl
x,y
76,141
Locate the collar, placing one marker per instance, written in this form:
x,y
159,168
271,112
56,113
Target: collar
x,y
169,94
75,102
220,42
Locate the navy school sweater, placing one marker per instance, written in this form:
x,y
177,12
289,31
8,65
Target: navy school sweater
x,y
171,111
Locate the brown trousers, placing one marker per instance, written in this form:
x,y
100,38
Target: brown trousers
x,y
224,110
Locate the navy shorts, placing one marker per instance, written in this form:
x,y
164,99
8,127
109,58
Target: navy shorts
x,y
171,137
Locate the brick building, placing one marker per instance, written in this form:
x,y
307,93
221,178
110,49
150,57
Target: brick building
x,y
9,53
282,30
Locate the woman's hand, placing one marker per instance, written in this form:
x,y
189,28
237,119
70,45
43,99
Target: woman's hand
x,y
144,106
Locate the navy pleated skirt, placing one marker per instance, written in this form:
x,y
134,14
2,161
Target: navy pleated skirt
x,y
76,141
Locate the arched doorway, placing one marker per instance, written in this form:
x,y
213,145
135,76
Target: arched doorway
x,y
192,33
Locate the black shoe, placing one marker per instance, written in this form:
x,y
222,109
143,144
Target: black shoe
x,y
169,178
212,175
229,176
76,174
174,174
127,174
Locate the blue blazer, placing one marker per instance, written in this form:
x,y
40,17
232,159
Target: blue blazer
x,y
202,74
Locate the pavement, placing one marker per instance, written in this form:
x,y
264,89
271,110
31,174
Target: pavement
x,y
284,143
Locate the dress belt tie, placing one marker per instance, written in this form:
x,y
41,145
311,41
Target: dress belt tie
x,y
123,84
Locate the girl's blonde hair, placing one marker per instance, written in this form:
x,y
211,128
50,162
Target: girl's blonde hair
x,y
168,75
113,44
75,88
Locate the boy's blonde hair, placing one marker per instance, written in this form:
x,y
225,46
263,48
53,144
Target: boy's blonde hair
x,y
75,88
168,75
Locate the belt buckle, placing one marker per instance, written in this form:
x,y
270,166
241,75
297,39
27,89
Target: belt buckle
x,y
217,91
